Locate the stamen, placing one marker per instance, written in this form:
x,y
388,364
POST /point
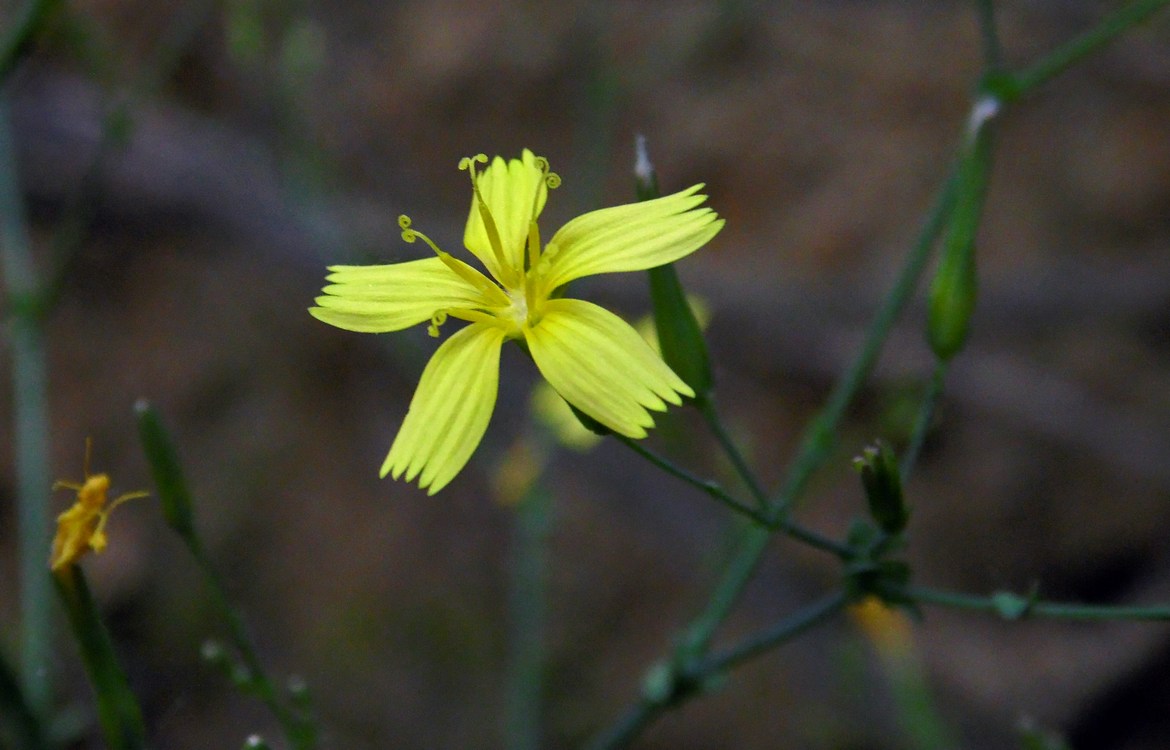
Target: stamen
x,y
410,235
438,319
551,181
474,316
489,224
462,270
98,539
471,316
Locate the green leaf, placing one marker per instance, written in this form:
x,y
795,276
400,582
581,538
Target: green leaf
x,y
168,474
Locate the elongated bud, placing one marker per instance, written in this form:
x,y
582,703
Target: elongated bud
x,y
168,475
680,338
883,487
954,289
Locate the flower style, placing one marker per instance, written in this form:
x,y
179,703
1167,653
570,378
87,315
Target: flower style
x,y
591,357
83,526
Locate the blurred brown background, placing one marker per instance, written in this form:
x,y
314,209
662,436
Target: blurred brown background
x,y
283,136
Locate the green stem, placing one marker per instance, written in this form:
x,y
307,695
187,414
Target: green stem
x,y
17,721
30,428
922,422
1072,52
631,724
118,710
689,681
710,487
814,450
526,603
33,17
989,34
818,439
1055,610
707,408
780,633
300,733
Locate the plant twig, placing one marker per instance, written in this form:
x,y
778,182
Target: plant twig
x,y
707,407
1072,52
30,434
1015,607
923,420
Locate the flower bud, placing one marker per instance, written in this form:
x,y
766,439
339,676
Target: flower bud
x,y
883,487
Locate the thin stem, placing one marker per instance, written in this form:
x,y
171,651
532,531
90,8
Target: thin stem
x,y
922,421
631,724
1072,52
710,487
989,34
300,733
689,682
814,450
707,408
800,533
30,433
818,438
33,17
1055,610
777,635
24,728
527,605
784,525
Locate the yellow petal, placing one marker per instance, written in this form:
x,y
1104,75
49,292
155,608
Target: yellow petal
x,y
450,409
511,190
632,237
600,364
377,299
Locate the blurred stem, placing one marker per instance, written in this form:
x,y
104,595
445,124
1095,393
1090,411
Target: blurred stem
x,y
922,421
1053,610
780,633
18,724
814,450
817,443
30,428
175,498
1072,52
690,681
715,424
989,34
118,710
712,488
301,733
117,126
527,604
32,18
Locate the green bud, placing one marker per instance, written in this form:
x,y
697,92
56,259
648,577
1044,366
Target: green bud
x,y
883,487
953,291
680,337
168,475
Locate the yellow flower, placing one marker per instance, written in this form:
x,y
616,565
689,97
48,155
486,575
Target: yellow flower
x,y
591,357
83,526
